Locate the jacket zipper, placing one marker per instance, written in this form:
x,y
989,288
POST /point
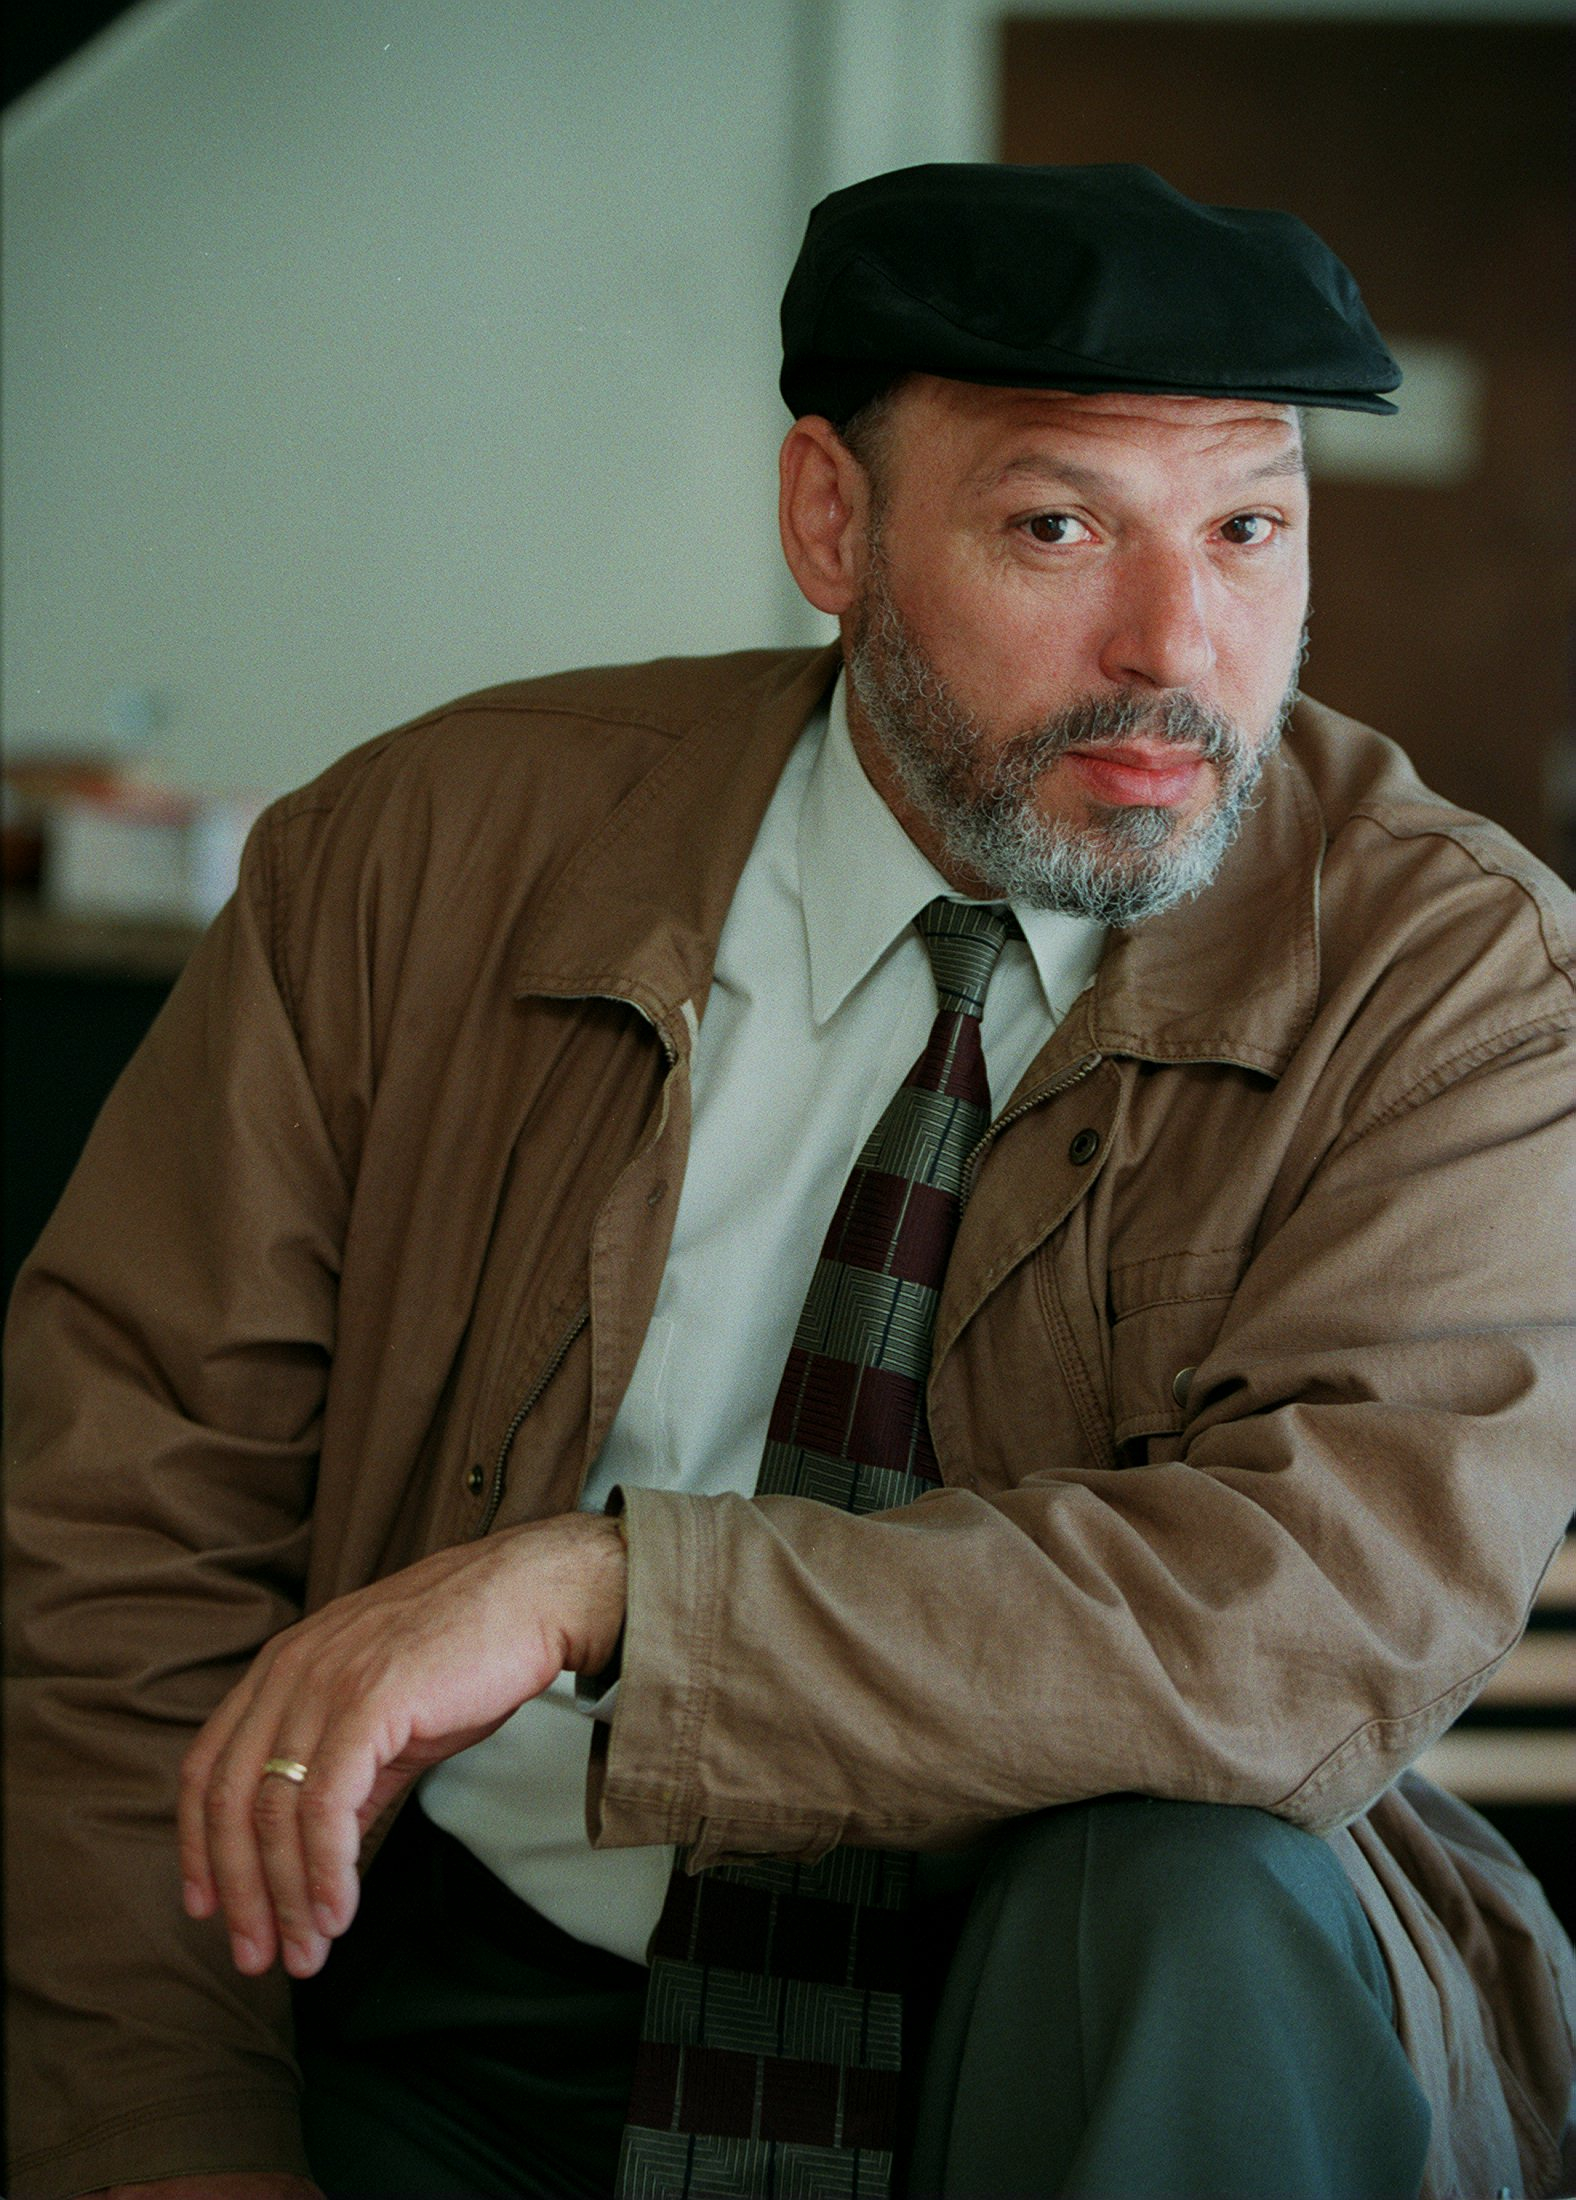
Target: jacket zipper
x,y
1074,1075
501,1463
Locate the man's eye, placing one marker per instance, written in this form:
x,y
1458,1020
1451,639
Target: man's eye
x,y
1057,528
1249,529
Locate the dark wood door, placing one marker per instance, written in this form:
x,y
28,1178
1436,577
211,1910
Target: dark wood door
x,y
1435,159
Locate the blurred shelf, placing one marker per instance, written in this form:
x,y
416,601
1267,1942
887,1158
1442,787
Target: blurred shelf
x,y
1540,1670
1486,1767
1516,1745
37,941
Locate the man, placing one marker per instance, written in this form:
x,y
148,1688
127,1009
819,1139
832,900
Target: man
x,y
1157,1385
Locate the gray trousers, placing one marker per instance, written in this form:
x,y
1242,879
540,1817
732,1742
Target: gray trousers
x,y
1128,2000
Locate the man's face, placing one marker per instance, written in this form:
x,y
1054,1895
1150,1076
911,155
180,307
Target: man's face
x,y
1077,634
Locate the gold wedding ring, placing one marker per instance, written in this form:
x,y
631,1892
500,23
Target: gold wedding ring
x,y
285,1768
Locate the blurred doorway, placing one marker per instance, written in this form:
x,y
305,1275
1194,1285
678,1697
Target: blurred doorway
x,y
1436,160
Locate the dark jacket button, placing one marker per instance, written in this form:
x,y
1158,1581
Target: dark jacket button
x,y
1085,1145
475,1481
1182,1383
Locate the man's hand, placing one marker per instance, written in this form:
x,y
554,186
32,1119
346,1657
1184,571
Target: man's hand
x,y
368,1693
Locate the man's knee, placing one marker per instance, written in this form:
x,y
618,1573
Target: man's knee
x,y
1213,1884
1167,1997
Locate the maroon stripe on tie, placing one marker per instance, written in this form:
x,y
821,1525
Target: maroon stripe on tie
x,y
655,2092
799,2101
929,1072
870,2107
966,1080
717,2092
953,1062
924,1237
867,1415
814,1403
869,1216
882,1429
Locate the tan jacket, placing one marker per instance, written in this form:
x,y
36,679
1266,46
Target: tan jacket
x,y
1254,1426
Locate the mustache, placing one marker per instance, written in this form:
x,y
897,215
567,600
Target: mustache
x,y
1096,721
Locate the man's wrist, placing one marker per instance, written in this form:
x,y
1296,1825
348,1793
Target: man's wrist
x,y
598,1676
610,1591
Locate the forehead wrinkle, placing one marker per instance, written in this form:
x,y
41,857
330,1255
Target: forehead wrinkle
x,y
1036,466
1288,464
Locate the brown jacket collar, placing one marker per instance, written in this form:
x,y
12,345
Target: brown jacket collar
x,y
1229,977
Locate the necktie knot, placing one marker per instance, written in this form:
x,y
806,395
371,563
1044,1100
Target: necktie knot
x,y
964,940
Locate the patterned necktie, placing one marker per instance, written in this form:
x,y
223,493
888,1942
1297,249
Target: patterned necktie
x,y
771,2043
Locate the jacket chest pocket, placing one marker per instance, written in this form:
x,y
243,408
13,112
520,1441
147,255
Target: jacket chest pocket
x,y
1166,1313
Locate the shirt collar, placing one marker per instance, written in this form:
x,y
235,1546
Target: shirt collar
x,y
862,882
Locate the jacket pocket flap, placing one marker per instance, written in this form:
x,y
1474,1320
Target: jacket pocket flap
x,y
1167,1315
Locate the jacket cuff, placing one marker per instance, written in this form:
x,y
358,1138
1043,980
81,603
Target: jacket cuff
x,y
643,1782
652,1779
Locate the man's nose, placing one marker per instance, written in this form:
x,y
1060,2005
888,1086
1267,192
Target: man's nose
x,y
1158,633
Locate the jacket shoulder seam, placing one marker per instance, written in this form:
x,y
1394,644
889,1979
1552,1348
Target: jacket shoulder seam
x,y
1468,838
325,793
1454,1067
674,726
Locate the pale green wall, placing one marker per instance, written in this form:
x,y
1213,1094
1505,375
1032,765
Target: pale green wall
x,y
358,352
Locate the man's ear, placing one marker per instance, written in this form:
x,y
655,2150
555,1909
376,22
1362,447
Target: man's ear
x,y
824,512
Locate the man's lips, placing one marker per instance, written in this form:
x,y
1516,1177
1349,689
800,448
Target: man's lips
x,y
1161,775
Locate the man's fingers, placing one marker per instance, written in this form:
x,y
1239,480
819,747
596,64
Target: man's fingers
x,y
236,1863
250,1819
309,1840
199,1889
279,1813
282,1850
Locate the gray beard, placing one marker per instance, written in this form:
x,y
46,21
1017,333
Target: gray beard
x,y
1128,862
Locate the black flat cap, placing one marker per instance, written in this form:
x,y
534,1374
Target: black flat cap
x,y
1098,278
